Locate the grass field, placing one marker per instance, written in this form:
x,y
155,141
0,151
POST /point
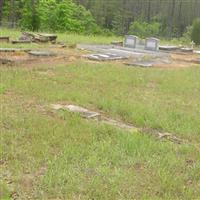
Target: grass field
x,y
58,155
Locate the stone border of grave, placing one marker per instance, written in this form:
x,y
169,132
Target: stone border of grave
x,y
85,113
41,53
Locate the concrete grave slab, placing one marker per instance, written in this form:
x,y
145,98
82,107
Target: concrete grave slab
x,y
169,48
130,41
12,50
152,44
141,63
41,53
197,51
186,50
80,110
104,57
109,121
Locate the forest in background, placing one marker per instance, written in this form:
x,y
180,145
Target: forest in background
x,y
166,18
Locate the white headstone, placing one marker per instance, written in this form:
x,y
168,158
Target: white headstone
x,y
130,41
152,44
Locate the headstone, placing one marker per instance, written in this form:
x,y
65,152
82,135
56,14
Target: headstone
x,y
152,44
130,41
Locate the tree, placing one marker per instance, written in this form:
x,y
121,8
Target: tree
x,y
1,10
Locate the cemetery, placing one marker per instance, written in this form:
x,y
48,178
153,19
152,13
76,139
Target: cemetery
x,y
130,88
100,99
133,51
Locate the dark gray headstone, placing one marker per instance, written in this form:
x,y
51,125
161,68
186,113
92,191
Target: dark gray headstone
x,y
130,41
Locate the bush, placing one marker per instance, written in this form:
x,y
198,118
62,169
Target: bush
x,y
59,16
195,36
143,29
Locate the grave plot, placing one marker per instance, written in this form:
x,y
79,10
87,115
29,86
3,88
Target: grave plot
x,y
10,56
104,57
12,50
92,115
13,57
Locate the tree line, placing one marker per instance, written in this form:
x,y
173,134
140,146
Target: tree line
x,y
118,15
167,18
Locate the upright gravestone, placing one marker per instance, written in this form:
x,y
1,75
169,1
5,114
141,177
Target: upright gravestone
x,y
130,41
152,44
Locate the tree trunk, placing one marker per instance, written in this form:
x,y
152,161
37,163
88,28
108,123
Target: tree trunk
x,y
1,10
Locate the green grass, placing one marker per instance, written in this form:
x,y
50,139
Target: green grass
x,y
50,155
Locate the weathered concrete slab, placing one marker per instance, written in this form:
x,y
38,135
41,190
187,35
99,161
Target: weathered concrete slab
x,y
12,50
169,48
186,50
197,51
51,37
104,57
120,51
4,39
80,110
38,37
41,53
141,63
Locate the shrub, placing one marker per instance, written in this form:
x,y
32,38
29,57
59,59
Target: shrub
x,y
58,16
143,29
195,36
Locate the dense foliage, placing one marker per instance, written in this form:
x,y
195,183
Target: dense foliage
x,y
196,32
51,15
166,18
120,15
144,29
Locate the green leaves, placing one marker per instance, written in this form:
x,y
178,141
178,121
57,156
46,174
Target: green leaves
x,y
196,31
58,16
